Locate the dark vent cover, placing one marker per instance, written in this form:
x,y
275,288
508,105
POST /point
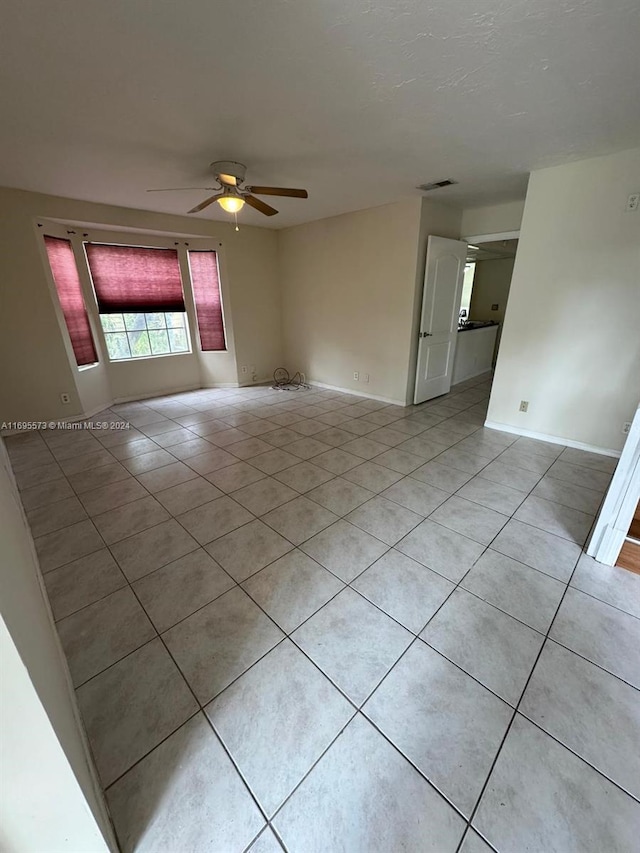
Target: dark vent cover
x,y
436,185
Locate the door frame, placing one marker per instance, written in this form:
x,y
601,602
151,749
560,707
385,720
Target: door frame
x,y
489,238
615,516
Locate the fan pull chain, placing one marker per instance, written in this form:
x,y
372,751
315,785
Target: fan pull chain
x,y
235,216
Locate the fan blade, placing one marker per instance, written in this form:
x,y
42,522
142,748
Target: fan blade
x,y
260,205
283,191
176,189
204,204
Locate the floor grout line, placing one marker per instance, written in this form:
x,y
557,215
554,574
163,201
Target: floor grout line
x,y
389,548
516,709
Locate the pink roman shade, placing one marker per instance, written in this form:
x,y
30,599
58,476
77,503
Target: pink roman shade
x,y
205,281
132,278
67,281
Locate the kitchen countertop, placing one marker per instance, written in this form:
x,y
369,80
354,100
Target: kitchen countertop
x,y
473,325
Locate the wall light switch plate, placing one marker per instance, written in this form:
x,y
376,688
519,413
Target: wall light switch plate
x,y
633,202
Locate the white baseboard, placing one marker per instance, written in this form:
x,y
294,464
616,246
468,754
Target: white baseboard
x,y
326,387
221,385
151,394
89,414
553,439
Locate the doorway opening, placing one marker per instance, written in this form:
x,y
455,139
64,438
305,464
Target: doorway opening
x,y
485,292
465,294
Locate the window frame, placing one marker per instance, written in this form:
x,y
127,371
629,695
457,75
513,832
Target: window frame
x,y
79,234
165,328
473,281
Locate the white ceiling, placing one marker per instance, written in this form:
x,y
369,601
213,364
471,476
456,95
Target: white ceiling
x,y
357,100
492,250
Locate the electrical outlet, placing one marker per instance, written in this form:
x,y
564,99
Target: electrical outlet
x,y
356,375
495,306
626,428
633,202
244,369
365,377
65,398
524,405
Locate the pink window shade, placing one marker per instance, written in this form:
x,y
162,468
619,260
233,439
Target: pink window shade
x,y
130,278
67,282
206,294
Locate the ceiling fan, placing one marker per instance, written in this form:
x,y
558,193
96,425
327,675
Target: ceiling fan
x,y
232,193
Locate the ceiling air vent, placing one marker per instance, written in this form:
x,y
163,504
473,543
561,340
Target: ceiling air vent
x,y
437,185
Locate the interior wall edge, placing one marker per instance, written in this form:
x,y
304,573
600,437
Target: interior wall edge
x,y
67,786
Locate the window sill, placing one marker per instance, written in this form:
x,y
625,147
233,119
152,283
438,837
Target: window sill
x,y
149,357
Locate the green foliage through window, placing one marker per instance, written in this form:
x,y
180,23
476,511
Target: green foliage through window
x,y
140,335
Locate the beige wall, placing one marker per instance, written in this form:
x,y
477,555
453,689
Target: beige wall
x,y
492,219
571,338
49,796
491,283
35,366
350,297
347,297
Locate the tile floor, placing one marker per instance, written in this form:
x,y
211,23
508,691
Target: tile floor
x,y
315,622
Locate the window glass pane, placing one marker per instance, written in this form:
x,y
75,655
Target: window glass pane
x,y
139,343
467,288
159,341
178,339
138,334
134,322
112,322
117,345
175,320
155,321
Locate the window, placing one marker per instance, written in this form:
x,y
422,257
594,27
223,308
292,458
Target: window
x,y
467,288
205,281
140,300
67,282
140,335
143,301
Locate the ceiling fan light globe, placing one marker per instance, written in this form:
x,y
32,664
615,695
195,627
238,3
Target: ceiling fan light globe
x,y
231,203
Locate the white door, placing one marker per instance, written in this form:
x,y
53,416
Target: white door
x,y
441,295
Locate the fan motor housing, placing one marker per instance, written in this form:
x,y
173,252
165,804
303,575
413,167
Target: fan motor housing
x,y
224,170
